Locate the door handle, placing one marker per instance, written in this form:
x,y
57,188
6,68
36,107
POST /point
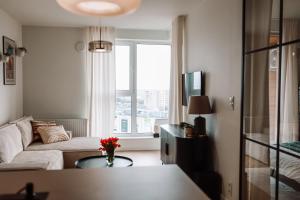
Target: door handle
x,y
167,148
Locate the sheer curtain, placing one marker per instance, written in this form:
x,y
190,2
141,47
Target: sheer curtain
x,y
101,78
177,66
289,84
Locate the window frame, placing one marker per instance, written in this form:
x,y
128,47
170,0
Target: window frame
x,y
132,92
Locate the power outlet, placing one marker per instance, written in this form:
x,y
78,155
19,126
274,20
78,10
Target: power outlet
x,y
229,189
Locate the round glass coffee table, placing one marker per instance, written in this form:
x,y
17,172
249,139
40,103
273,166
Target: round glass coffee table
x,y
100,162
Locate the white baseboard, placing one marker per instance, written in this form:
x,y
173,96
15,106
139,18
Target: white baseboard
x,y
140,144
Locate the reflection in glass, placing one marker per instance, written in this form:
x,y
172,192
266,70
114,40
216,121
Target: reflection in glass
x,y
291,20
262,23
259,172
261,101
289,177
123,115
260,94
289,99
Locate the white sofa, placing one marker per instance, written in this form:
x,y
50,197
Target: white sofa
x,y
19,152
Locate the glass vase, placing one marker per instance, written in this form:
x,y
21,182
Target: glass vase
x,y
110,156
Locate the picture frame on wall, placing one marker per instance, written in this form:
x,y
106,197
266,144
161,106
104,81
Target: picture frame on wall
x,y
9,68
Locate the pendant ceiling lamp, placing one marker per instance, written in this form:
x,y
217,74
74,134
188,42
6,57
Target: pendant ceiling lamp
x,y
100,46
100,7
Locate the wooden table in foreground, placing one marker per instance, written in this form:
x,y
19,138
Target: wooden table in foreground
x,y
133,183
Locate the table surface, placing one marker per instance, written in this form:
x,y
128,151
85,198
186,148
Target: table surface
x,y
131,183
100,162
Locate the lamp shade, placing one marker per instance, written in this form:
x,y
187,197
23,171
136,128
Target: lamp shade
x,y
100,7
100,46
199,105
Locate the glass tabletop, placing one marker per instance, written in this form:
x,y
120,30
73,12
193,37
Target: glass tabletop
x,y
100,162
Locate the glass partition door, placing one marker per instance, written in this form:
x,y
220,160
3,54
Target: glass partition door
x,y
270,136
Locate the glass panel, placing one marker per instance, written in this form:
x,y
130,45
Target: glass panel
x,y
259,180
291,20
123,115
260,94
122,67
289,177
261,30
153,80
289,113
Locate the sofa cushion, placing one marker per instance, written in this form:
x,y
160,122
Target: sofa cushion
x,y
53,134
26,129
37,124
75,144
10,143
51,159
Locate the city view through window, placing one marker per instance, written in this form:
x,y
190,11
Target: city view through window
x,y
142,87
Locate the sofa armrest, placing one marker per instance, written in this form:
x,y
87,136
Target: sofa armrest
x,y
22,166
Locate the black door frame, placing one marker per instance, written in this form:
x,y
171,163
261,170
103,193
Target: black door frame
x,y
243,138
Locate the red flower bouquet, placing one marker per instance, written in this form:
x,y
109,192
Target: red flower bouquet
x,y
109,145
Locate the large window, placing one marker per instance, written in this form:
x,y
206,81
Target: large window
x,y
143,76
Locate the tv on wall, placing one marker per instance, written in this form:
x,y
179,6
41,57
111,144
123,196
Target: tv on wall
x,y
193,84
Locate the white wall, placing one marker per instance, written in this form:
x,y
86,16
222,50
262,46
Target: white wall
x,y
214,34
54,73
11,96
133,34
54,80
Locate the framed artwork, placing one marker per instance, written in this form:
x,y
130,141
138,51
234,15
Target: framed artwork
x,y
9,68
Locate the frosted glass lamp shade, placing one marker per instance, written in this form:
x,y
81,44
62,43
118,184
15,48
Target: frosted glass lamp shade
x,y
100,7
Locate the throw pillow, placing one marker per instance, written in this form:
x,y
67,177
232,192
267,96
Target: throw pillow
x,y
53,134
26,130
36,124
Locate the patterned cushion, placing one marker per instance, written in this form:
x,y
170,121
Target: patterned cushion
x,y
36,125
53,134
26,130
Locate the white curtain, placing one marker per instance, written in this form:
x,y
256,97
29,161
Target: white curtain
x,y
289,84
177,67
101,80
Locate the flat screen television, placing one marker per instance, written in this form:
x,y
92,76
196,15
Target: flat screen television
x,y
192,85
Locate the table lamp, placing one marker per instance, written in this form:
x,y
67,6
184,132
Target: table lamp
x,y
199,105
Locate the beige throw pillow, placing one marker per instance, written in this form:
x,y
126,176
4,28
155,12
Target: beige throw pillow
x,y
36,124
53,134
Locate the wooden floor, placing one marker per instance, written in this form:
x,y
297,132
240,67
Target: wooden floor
x,y
142,158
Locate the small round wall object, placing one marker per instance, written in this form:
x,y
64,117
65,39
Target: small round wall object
x,y
80,46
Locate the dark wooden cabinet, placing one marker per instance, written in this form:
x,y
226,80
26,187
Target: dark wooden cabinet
x,y
190,154
193,156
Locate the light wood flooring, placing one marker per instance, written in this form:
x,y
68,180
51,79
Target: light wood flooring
x,y
142,158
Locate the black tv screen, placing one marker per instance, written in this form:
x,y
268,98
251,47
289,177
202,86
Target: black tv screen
x,y
192,85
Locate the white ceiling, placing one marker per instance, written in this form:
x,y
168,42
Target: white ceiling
x,y
153,14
